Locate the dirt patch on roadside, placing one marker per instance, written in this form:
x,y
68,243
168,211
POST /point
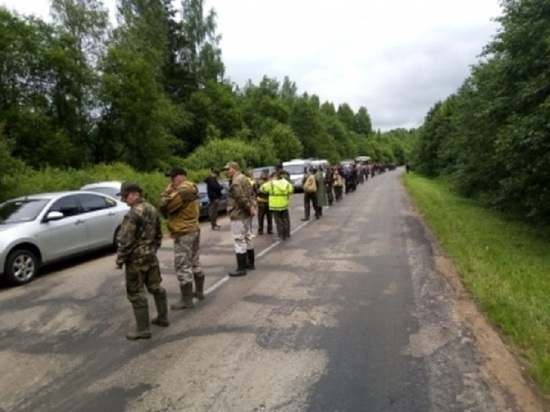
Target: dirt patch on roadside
x,y
503,370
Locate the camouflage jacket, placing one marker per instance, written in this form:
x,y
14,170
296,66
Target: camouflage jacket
x,y
140,235
240,198
181,205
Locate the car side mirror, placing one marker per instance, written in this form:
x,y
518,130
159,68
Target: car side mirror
x,y
54,215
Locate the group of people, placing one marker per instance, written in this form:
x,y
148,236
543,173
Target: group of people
x,y
140,236
268,198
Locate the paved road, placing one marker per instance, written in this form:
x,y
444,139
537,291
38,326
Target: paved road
x,y
350,314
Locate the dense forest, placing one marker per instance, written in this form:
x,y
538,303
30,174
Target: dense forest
x,y
151,92
491,138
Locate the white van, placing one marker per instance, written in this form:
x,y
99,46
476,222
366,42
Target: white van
x,y
363,159
321,164
297,169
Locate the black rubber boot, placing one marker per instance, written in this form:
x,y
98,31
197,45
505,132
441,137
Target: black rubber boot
x,y
141,313
241,265
186,301
199,287
162,310
250,259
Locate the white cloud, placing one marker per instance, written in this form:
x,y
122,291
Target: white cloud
x,y
395,57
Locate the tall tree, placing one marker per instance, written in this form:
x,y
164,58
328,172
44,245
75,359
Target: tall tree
x,y
81,27
363,124
201,52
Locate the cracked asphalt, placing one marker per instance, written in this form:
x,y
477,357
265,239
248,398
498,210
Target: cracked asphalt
x,y
355,312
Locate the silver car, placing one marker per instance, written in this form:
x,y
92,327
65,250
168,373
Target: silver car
x,y
39,229
110,187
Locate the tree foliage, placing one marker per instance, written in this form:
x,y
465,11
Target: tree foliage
x,y
151,93
492,137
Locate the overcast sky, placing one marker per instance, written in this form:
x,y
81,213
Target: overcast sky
x,y
395,57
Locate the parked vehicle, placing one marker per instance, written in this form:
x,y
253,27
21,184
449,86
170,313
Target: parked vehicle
x,y
39,229
347,164
205,200
111,188
259,170
297,169
363,159
321,164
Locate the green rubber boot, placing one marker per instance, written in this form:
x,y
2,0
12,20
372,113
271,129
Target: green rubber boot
x,y
141,313
199,287
162,310
186,301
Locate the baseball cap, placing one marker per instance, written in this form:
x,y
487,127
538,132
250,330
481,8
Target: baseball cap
x,y
127,188
176,171
234,165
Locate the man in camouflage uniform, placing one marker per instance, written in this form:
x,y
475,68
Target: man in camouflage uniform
x,y
240,207
180,204
139,239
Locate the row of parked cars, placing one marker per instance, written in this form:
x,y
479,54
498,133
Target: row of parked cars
x,y
39,229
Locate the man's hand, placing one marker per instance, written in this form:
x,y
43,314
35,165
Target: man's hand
x,y
252,211
119,266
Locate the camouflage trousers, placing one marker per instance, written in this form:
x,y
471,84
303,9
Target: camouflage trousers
x,y
186,257
242,236
141,275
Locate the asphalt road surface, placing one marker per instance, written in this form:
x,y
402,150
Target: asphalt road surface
x,y
353,313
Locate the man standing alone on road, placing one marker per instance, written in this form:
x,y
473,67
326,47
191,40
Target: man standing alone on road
x,y
214,191
240,207
139,240
180,203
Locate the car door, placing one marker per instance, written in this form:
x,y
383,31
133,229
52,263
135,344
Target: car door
x,y
66,236
100,214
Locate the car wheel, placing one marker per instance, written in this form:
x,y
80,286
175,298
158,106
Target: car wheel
x,y
21,267
115,239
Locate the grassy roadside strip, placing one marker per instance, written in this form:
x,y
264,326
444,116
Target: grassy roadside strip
x,y
503,264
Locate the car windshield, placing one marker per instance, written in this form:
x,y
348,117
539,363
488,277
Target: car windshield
x,y
295,169
17,211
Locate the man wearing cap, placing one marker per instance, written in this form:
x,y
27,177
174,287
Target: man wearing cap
x,y
240,207
180,204
214,191
139,239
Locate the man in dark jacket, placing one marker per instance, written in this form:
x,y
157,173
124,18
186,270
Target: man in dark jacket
x,y
214,191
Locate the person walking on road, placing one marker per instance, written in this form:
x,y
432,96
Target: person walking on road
x,y
279,190
214,191
139,239
180,203
240,208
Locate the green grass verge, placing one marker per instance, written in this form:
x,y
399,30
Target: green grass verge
x,y
504,265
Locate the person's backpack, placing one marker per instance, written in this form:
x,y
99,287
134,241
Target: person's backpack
x,y
310,186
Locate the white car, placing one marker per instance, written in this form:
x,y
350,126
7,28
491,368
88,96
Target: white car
x,y
111,188
39,229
